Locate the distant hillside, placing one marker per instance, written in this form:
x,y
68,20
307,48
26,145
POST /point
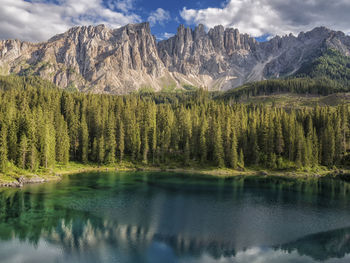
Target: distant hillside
x,y
23,82
331,64
327,74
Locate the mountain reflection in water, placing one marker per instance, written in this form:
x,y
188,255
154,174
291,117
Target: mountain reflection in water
x,y
155,217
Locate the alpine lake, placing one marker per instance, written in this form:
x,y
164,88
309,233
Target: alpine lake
x,y
171,217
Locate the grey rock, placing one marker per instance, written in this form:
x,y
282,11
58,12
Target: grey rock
x,y
103,60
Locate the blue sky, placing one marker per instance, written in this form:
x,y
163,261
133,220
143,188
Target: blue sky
x,y
144,8
38,20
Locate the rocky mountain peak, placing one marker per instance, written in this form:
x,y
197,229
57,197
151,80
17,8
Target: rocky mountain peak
x,y
100,59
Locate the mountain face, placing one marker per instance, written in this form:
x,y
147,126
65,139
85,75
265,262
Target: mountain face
x,y
104,60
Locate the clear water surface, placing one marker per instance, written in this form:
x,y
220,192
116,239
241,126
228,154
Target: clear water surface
x,y
165,217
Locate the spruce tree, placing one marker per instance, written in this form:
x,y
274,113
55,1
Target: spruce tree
x,y
241,158
203,141
3,148
101,150
48,145
62,140
121,140
218,151
110,141
279,142
186,155
233,151
23,152
328,145
84,140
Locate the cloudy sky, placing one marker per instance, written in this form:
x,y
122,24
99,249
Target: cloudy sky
x,y
38,20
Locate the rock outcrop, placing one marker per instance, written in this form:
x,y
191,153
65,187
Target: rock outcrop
x,y
122,60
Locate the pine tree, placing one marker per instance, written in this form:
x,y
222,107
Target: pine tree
x,y
3,148
144,140
218,152
48,145
241,158
300,147
110,141
84,140
121,140
186,155
279,142
203,141
153,131
315,149
135,140
227,142
62,140
23,152
272,160
173,127
328,145
253,145
94,150
12,144
233,151
33,154
101,150
338,141
311,152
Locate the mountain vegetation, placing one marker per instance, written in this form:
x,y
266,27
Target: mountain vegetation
x,y
331,65
42,126
326,74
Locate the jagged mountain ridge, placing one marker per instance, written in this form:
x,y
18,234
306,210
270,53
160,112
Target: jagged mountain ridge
x,y
122,60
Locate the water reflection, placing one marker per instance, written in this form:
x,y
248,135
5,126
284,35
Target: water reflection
x,y
322,246
161,218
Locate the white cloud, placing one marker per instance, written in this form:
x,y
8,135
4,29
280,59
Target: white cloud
x,y
165,35
259,255
122,5
159,16
168,35
271,17
38,21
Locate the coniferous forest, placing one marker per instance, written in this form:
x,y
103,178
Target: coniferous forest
x,y
327,74
41,126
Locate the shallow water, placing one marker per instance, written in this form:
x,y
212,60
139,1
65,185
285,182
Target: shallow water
x,y
164,217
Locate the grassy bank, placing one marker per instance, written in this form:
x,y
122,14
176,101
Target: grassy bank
x,y
17,177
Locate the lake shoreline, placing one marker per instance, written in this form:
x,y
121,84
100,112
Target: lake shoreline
x,y
56,174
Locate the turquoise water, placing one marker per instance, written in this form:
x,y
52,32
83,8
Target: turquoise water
x,y
163,217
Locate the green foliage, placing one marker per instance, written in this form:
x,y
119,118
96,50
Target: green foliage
x,y
40,126
327,74
189,87
145,90
71,87
84,140
332,65
3,148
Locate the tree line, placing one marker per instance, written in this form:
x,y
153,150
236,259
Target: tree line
x,y
327,74
41,126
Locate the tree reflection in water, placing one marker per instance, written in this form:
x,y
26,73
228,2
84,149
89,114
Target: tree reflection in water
x,y
157,218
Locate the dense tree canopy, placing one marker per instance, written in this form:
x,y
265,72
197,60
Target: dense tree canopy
x,y
41,126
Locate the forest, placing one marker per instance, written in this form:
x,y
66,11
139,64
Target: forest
x,y
327,74
41,126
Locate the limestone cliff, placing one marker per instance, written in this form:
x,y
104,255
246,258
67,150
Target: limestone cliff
x,y
122,60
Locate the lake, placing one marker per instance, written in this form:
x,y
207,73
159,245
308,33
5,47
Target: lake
x,y
169,217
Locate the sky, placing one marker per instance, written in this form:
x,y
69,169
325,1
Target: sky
x,y
39,20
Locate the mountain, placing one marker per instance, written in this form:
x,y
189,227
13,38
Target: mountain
x,y
122,60
326,74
